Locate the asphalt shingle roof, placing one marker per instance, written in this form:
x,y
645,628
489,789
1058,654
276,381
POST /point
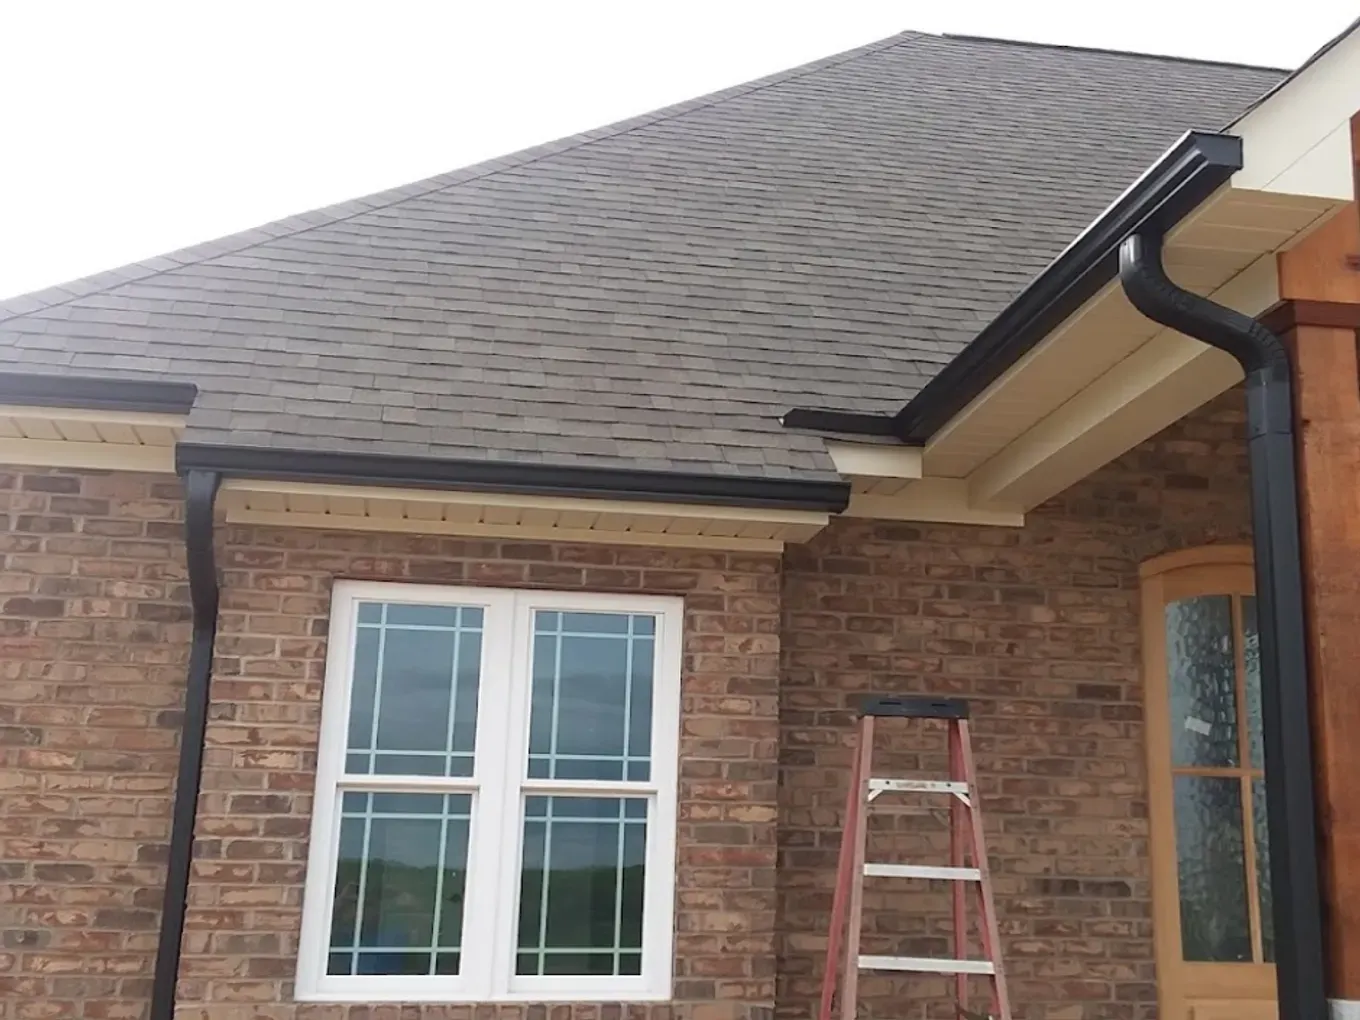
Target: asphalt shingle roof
x,y
656,293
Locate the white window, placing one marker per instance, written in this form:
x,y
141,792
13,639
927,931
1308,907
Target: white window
x,y
495,797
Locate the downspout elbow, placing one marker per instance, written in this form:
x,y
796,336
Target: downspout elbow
x,y
1262,356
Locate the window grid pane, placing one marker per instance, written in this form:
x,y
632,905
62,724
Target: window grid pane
x,y
581,886
591,696
399,883
414,690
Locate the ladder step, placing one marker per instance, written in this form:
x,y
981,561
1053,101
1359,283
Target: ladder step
x,y
923,871
926,965
916,786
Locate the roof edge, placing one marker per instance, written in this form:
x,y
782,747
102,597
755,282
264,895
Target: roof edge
x,y
154,396
509,477
1143,54
1177,183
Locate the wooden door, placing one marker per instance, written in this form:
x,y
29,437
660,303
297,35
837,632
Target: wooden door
x,y
1210,853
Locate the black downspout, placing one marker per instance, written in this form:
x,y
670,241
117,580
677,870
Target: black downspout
x,y
1279,592
200,491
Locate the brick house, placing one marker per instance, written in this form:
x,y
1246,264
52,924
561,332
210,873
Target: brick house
x,y
455,602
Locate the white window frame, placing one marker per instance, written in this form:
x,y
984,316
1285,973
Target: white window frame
x,y
498,786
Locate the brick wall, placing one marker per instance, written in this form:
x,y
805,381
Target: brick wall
x,y
254,815
1037,625
1039,628
93,641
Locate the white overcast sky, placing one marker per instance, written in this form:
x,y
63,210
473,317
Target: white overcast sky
x,y
131,128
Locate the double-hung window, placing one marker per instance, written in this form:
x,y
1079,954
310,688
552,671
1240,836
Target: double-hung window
x,y
495,798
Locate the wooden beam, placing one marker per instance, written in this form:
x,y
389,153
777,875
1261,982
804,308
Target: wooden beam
x,y
1328,399
1325,265
1331,314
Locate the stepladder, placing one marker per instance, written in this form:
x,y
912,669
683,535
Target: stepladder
x,y
966,869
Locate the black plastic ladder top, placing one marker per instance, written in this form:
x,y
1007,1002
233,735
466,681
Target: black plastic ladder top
x,y
914,707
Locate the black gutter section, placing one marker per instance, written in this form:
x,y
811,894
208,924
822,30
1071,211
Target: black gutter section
x,y
849,422
1188,173
1279,591
32,389
200,492
500,476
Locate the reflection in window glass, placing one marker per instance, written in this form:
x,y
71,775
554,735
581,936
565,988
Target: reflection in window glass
x,y
413,704
1202,673
1211,860
581,889
591,709
399,882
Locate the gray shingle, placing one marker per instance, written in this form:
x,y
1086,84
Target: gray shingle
x,y
656,293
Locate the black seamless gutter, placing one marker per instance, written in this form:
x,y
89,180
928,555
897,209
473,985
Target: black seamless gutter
x,y
1188,173
507,477
200,493
1290,808
32,389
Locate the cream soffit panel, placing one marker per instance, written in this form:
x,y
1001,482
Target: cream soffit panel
x,y
495,515
78,438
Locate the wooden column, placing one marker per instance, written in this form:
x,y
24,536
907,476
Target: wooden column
x,y
1318,322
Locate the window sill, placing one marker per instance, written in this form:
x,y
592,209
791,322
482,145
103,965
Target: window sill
x,y
602,996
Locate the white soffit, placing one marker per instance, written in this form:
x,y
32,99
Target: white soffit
x,y
66,437
495,515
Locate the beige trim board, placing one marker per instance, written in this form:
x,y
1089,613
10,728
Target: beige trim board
x,y
64,453
500,515
398,525
146,419
558,503
875,460
938,500
1292,141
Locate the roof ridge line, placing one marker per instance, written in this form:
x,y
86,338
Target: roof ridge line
x,y
62,293
1202,61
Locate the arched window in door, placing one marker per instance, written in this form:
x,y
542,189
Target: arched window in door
x,y
1210,851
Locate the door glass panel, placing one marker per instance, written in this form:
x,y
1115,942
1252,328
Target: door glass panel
x,y
1202,676
1211,856
1262,833
1251,655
